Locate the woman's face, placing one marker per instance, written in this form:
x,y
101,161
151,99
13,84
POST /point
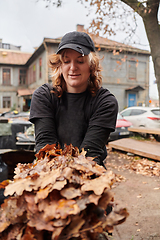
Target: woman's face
x,y
76,71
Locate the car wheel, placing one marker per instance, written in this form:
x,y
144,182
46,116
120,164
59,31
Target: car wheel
x,y
144,135
157,137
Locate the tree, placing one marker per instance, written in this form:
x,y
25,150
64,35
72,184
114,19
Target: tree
x,y
120,9
147,10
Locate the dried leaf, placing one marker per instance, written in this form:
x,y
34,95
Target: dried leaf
x,y
97,185
116,217
4,184
70,192
74,227
56,233
67,207
42,193
105,199
94,198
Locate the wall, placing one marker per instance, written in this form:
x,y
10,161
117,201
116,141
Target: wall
x,y
38,81
117,78
10,91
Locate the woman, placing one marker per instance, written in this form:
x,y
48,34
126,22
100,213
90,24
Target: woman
x,y
76,110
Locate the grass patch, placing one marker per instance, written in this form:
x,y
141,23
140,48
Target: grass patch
x,y
141,138
138,137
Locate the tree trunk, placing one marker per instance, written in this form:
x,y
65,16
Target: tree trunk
x,y
149,14
153,33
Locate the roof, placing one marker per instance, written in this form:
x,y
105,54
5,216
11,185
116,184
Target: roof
x,y
13,57
101,42
135,88
25,92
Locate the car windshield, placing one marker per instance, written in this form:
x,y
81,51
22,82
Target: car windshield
x,y
126,113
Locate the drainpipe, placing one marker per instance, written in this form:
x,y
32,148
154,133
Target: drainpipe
x,y
45,46
147,97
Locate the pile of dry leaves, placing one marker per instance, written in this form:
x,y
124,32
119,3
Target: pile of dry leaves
x,y
62,195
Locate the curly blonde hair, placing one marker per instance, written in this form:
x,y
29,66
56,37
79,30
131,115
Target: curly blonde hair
x,y
59,84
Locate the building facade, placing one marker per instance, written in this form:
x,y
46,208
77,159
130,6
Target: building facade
x,y
125,72
13,75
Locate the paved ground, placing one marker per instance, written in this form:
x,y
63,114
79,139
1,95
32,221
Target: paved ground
x,y
141,196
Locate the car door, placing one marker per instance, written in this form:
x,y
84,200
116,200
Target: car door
x,y
135,116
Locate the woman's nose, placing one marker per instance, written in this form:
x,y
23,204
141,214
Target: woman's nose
x,y
73,66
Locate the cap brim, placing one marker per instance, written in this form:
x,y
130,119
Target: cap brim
x,y
79,48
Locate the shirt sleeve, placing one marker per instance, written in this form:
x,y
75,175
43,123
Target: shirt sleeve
x,y
104,110
42,103
45,132
102,121
95,142
42,115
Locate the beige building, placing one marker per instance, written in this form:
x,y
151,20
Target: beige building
x,y
13,75
125,72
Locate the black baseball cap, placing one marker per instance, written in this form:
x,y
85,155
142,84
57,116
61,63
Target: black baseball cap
x,y
78,41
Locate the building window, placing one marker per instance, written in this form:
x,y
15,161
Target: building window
x,y
6,102
132,73
40,67
6,76
22,76
34,72
5,45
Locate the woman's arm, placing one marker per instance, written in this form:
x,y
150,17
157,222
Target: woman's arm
x,y
42,113
95,143
101,122
45,132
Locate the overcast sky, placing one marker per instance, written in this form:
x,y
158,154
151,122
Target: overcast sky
x,y
26,22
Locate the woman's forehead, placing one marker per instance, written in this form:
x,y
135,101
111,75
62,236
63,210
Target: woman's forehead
x,y
70,52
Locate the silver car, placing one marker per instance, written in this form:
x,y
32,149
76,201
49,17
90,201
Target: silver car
x,y
148,117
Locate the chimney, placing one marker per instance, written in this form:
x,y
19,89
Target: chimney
x,y
80,28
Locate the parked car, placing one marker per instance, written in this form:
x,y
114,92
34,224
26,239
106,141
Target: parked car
x,y
9,114
9,131
26,140
15,115
142,116
121,130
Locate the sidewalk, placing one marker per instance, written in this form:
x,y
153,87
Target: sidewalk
x,y
141,196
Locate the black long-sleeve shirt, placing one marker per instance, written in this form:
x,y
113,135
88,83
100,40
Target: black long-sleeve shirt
x,y
76,118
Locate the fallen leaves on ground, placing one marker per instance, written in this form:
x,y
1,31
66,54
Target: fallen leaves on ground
x,y
61,195
134,163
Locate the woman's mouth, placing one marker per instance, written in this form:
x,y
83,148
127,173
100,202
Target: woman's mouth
x,y
74,75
